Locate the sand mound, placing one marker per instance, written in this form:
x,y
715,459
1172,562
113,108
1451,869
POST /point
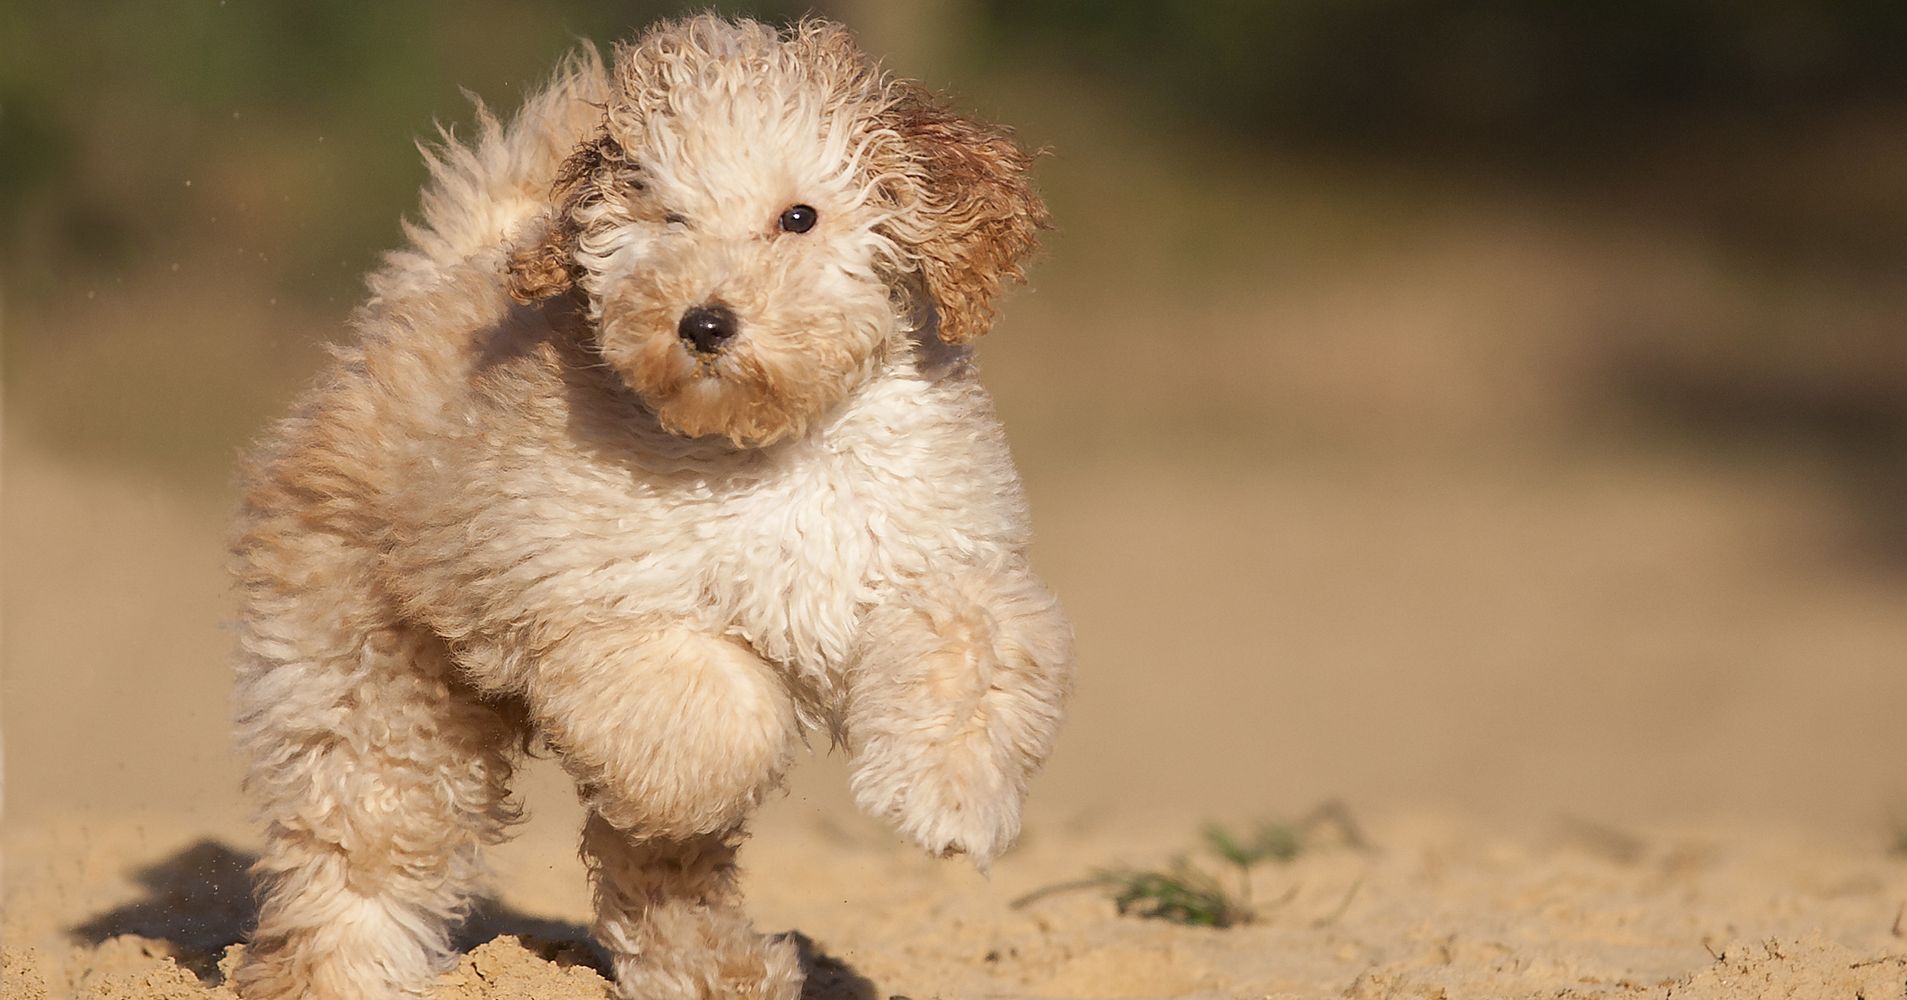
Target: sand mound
x,y
512,968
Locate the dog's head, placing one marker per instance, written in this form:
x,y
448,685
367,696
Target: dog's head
x,y
764,214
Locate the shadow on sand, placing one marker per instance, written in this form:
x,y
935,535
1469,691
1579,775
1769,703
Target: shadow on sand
x,y
199,902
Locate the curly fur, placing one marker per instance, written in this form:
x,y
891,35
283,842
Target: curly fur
x,y
519,507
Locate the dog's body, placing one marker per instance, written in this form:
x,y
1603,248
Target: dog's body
x,y
532,501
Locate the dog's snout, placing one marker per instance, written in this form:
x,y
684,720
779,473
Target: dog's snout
x,y
707,327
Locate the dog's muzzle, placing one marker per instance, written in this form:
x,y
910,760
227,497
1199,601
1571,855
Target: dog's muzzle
x,y
707,327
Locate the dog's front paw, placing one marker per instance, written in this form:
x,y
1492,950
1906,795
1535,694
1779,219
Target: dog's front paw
x,y
954,702
950,798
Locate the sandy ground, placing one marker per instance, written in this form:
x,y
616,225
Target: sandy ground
x,y
1430,909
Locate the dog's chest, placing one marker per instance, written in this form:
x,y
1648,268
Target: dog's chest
x,y
784,548
791,559
787,550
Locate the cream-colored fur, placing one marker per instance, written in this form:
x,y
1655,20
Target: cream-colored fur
x,y
523,507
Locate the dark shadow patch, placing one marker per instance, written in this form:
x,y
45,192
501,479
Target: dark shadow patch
x,y
523,332
198,902
828,978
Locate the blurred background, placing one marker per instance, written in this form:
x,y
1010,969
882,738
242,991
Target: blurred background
x,y
1459,405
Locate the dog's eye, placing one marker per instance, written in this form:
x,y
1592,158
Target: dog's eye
x,y
675,218
799,219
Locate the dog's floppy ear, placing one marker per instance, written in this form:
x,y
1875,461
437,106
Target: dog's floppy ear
x,y
544,264
971,215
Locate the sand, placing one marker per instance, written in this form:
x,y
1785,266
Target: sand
x,y
1428,908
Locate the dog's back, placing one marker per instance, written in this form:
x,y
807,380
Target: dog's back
x,y
482,190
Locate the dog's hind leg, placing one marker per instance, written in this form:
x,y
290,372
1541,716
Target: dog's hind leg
x,y
379,776
669,912
673,737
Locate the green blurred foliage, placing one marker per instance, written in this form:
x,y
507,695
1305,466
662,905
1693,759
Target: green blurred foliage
x,y
111,113
1537,77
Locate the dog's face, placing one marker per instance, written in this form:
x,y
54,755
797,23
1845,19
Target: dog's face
x,y
758,217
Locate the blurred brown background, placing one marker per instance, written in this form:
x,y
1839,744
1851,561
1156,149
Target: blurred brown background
x,y
1467,405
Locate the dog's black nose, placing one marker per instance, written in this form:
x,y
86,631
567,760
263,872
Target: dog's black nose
x,y
707,327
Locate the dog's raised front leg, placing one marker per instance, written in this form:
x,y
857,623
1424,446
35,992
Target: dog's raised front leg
x,y
953,702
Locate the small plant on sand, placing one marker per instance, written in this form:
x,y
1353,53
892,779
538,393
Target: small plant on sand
x,y
1279,842
1183,893
1180,893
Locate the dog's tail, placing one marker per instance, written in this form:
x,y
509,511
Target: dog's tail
x,y
481,190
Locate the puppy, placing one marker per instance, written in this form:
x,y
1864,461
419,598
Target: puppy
x,y
660,445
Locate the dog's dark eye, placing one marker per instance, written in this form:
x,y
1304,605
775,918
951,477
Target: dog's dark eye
x,y
799,219
675,218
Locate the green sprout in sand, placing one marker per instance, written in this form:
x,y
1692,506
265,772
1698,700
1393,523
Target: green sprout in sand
x,y
1183,893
